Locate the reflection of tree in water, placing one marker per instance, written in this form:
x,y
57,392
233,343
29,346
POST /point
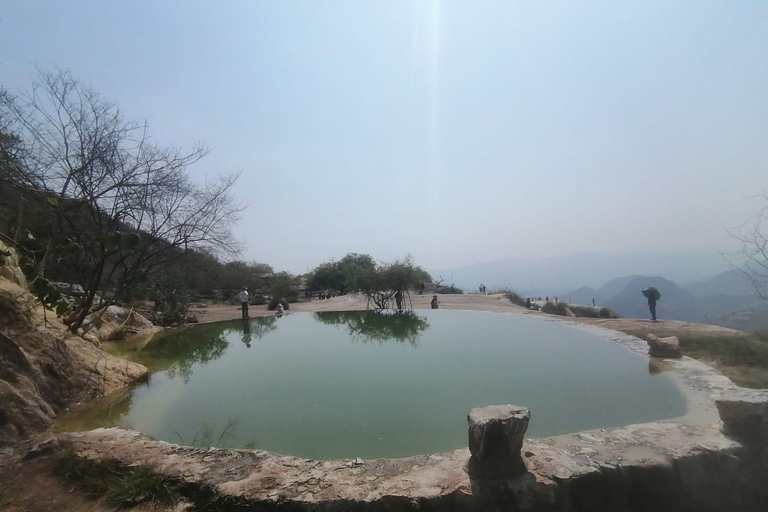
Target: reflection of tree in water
x,y
378,326
107,412
208,434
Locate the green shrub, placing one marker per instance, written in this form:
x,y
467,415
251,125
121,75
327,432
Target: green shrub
x,y
259,300
515,299
555,309
141,484
118,334
121,487
584,311
275,300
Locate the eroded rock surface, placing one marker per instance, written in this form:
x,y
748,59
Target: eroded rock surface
x,y
43,368
655,466
103,325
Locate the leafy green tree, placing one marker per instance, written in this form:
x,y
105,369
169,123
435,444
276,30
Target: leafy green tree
x,y
382,283
340,275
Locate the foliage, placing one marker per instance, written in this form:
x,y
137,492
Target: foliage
x,y
378,326
117,334
258,300
381,283
449,290
277,300
235,274
515,299
122,487
607,313
751,258
171,298
340,275
118,205
585,311
48,295
555,309
285,287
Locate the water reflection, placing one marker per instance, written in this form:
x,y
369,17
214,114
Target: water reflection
x,y
209,434
378,326
176,352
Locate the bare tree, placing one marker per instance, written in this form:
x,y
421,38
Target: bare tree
x,y
751,258
120,204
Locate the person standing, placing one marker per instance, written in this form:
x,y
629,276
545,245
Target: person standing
x,y
245,298
652,305
399,299
434,302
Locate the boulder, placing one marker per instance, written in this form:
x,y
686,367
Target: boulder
x,y
105,323
72,290
664,347
496,437
745,418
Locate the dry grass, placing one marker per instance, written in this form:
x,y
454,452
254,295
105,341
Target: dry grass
x,y
742,358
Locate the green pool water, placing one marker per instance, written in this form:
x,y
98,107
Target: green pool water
x,y
366,384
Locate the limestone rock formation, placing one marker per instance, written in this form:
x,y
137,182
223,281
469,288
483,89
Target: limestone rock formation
x,y
43,368
746,419
114,317
664,347
9,267
496,437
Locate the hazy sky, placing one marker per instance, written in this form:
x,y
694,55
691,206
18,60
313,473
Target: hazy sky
x,y
458,131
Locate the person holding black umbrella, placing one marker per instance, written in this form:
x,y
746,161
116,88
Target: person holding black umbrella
x,y
652,294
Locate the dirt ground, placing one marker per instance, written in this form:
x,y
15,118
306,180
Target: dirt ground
x,y
34,487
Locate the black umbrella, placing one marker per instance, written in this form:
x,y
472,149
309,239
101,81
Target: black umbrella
x,y
651,293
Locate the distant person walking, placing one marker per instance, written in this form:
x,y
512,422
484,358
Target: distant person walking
x,y
245,298
593,302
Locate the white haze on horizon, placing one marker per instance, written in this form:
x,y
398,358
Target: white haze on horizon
x,y
458,132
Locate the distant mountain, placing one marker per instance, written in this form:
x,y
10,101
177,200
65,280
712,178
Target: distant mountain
x,y
583,295
731,282
675,302
722,300
749,319
549,276
609,290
